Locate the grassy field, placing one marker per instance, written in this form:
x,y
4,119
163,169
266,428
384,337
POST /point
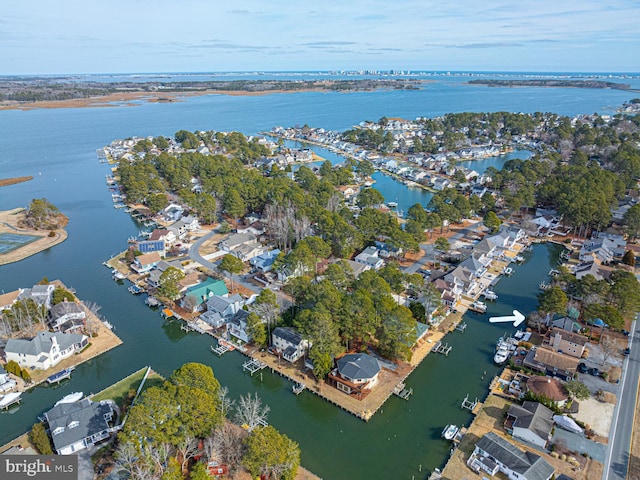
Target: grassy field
x,y
119,391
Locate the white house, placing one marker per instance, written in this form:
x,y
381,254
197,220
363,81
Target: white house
x,y
370,256
220,309
234,240
6,382
78,425
146,262
493,454
289,343
67,316
44,350
531,422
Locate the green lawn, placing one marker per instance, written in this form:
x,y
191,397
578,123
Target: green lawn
x,y
118,391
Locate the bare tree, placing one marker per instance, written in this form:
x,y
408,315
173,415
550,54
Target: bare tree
x,y
226,404
608,346
333,204
91,324
227,443
186,449
127,457
251,412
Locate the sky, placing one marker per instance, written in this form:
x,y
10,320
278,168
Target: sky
x,y
127,36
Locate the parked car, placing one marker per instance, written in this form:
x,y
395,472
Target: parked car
x,y
594,371
582,367
626,351
625,333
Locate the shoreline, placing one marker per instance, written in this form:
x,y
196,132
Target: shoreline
x,y
5,182
9,224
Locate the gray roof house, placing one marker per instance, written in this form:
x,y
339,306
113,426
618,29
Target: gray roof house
x,y
44,350
78,425
237,328
41,294
220,309
531,422
508,459
67,316
234,240
355,374
289,343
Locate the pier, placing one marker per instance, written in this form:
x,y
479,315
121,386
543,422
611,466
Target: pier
x,y
252,366
444,349
191,327
461,327
221,349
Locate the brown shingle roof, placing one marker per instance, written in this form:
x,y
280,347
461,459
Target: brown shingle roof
x,y
547,386
558,360
570,336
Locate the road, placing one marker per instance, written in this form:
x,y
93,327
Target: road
x,y
194,253
617,463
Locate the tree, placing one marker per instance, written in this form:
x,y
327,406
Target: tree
x,y
271,454
369,197
631,221
396,334
577,389
491,221
199,472
168,283
250,412
234,205
256,329
39,439
196,375
267,308
157,202
41,214
629,258
228,445
207,207
552,300
625,292
232,265
608,345
61,295
441,244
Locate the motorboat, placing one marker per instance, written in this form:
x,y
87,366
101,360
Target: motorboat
x,y
9,399
450,432
71,398
489,295
507,270
478,306
501,356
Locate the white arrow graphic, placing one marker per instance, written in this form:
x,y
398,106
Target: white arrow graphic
x,y
517,318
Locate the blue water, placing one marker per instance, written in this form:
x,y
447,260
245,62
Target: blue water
x,y
57,147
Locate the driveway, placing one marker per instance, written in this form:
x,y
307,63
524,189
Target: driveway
x,y
581,444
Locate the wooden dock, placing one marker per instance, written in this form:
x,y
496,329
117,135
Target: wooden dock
x,y
252,366
444,349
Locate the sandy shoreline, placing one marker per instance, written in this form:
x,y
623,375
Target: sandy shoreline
x,y
9,224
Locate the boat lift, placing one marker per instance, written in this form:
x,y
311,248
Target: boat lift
x,y
468,404
252,366
402,391
444,349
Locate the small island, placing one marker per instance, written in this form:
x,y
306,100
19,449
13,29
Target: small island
x,y
26,232
550,82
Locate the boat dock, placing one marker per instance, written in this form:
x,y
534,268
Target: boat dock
x,y
252,366
402,391
298,388
222,348
468,404
191,327
10,399
59,376
152,301
444,349
461,327
135,289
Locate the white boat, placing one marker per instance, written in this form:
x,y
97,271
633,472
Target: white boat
x,y
71,398
9,399
519,259
489,295
501,356
449,432
507,270
567,423
392,204
478,306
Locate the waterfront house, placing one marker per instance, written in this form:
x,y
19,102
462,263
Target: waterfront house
x,y
148,246
172,212
355,374
462,280
565,323
566,342
493,453
41,294
146,262
474,263
8,299
237,328
589,267
486,247
531,422
603,247
289,343
370,256
220,309
44,350
551,363
195,297
264,261
548,387
67,317
78,425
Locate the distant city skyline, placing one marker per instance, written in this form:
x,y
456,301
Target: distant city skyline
x,y
73,36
